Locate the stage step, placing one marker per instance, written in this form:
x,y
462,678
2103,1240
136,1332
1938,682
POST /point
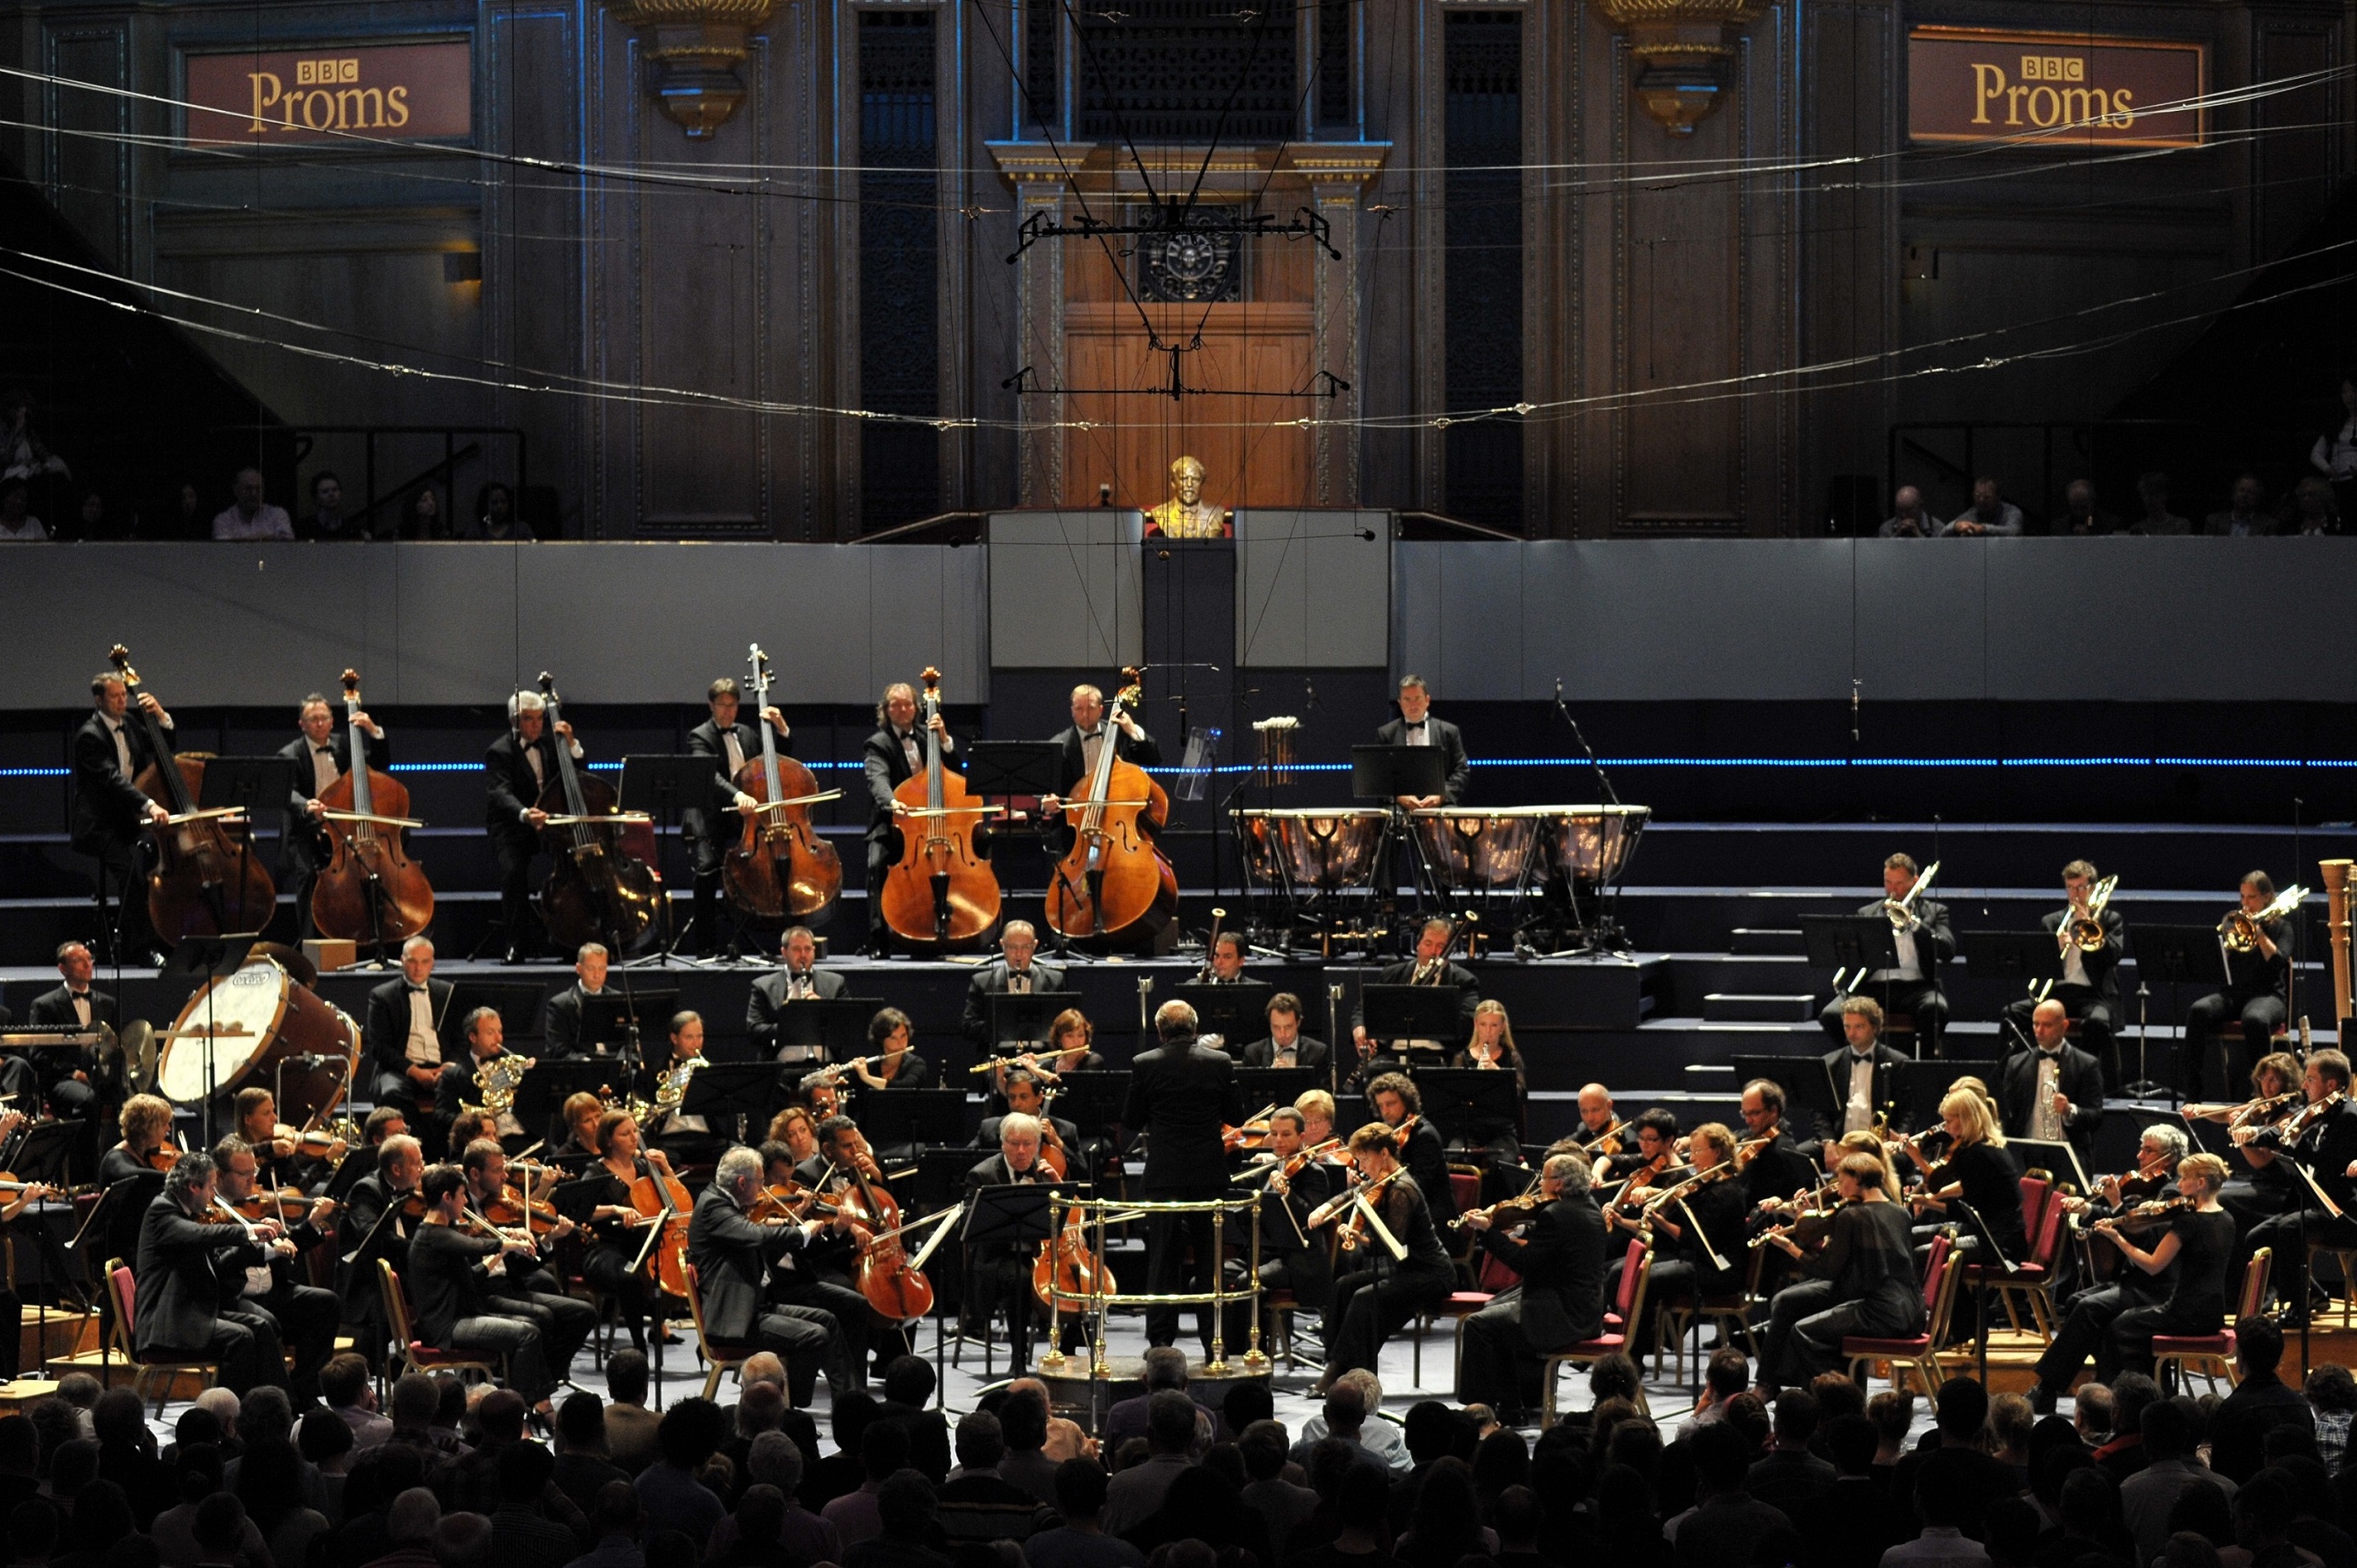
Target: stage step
x,y
1765,941
1757,1007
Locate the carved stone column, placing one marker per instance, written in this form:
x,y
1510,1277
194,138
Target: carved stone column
x,y
1336,175
1038,178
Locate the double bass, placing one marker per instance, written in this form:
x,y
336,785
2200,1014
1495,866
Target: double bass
x,y
783,869
369,891
941,893
599,891
1114,885
208,881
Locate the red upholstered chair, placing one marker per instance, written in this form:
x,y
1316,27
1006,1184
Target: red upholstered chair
x,y
1919,1352
416,1355
2173,1355
1491,1279
158,1375
2033,1279
1628,1308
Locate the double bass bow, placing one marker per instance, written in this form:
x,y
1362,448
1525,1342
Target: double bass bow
x,y
1115,884
941,893
783,869
208,881
369,891
598,890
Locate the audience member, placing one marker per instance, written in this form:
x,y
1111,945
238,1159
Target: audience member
x,y
16,520
1990,513
1853,1522
883,1453
630,1425
1136,1493
2259,1403
250,516
1081,1541
2149,1497
2080,519
907,1384
1908,520
2153,490
327,523
2247,514
906,1511
1790,1474
2332,1397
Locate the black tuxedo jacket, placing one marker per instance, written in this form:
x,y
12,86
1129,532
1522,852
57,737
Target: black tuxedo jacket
x,y
510,790
300,839
1780,1170
561,1018
705,740
107,808
2081,1077
1886,1086
769,999
1561,1259
2326,1148
1307,1052
2103,964
1072,758
1935,942
56,1008
387,1034
1446,739
886,767
732,1255
178,1299
990,981
1181,1096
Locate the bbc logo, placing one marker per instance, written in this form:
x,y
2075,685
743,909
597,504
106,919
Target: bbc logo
x,y
326,72
2053,68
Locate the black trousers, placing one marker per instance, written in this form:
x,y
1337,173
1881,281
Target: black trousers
x,y
1806,1324
808,1340
1919,999
607,1267
517,1340
565,1321
1178,1258
854,1320
302,1319
1368,1308
2083,1003
122,880
711,908
1497,1366
2210,1045
516,851
882,853
2291,1234
999,1278
245,1347
2086,1328
1307,1272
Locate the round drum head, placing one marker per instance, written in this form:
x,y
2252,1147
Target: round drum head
x,y
240,1012
138,1046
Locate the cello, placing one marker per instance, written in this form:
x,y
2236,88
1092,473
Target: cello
x,y
783,869
941,893
369,891
208,881
889,1282
1114,885
664,1199
598,890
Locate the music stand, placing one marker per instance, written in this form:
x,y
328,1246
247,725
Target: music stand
x,y
741,1090
1020,1216
915,1117
628,1019
206,959
1019,1021
940,1176
516,1001
541,1092
1385,773
1469,1099
257,784
1283,1085
664,786
2024,956
1411,1012
1843,942
1807,1087
1351,1112
1920,1086
1237,1014
821,1029
46,1152
2069,1152
2177,955
1012,767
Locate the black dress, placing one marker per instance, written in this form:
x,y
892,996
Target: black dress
x,y
1991,1177
1380,1294
2197,1298
614,1246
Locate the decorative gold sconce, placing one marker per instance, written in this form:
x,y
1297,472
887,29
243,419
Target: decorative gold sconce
x,y
694,47
1681,48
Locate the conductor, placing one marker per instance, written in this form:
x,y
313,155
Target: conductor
x,y
1181,1095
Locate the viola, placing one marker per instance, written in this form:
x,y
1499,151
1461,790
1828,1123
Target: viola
x,y
599,891
369,891
1114,885
517,1209
783,869
208,879
665,1197
941,895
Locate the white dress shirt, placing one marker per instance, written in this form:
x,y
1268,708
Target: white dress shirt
x,y
1859,1115
2043,1121
735,751
1419,733
423,1047
82,1007
1910,966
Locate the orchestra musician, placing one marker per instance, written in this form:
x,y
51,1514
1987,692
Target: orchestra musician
x,y
449,1272
794,1130
2054,1093
2089,1314
795,1280
1863,1283
179,1313
1781,1166
2257,995
1291,1257
1860,1067
1224,964
2326,1142
1182,1094
1317,1108
2089,987
688,1139
62,1075
486,1034
1014,972
517,768
733,1253
365,1232
712,828
893,754
1416,726
403,1033
1699,1246
277,1149
1380,1294
1925,943
1430,966
1596,1120
266,1296
798,979
524,1288
111,812
1077,748
1650,1149
320,755
2265,1188
147,1128
1285,1044
998,1273
580,1114
1979,1171
899,1065
1024,1097
563,1017
600,1202
1394,1099
2191,1258
1492,1049
1559,1301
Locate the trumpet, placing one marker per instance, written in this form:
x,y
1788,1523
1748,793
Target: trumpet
x,y
2084,927
1901,911
2239,930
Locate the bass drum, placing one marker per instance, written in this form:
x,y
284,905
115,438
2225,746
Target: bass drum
x,y
256,1019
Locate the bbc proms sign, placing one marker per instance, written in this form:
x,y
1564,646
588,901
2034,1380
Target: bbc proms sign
x,y
2065,91
348,94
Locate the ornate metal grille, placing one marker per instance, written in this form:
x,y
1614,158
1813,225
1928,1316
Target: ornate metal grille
x,y
1043,26
899,349
1190,265
1334,61
1162,70
1482,225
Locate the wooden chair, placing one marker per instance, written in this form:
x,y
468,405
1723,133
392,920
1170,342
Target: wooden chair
x,y
146,1374
2344,1262
2033,1278
725,1356
416,1355
2173,1355
1677,1321
1629,1306
1918,1352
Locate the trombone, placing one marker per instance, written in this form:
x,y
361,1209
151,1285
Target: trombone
x,y
2084,927
2239,930
1901,911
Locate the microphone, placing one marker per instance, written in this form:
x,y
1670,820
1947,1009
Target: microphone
x,y
1558,688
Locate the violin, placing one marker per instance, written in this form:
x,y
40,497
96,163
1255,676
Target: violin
x,y
941,895
412,1204
1115,884
1605,1144
2296,1127
2144,1215
369,890
1810,1225
517,1209
791,1202
23,1194
1528,1200
162,1157
599,891
1354,1229
310,1142
783,869
891,1284
1309,1154
287,1203
208,879
666,1198
1252,1134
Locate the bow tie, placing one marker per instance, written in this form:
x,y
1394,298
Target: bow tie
x,y
417,990
80,995
2054,1055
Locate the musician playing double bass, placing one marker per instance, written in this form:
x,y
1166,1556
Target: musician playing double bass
x,y
732,1254
894,754
110,812
1077,748
517,768
710,828
321,755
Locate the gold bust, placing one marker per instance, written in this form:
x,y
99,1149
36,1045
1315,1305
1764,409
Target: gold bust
x,y
1186,515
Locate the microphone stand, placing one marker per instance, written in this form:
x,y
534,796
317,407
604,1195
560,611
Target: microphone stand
x,y
1606,935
